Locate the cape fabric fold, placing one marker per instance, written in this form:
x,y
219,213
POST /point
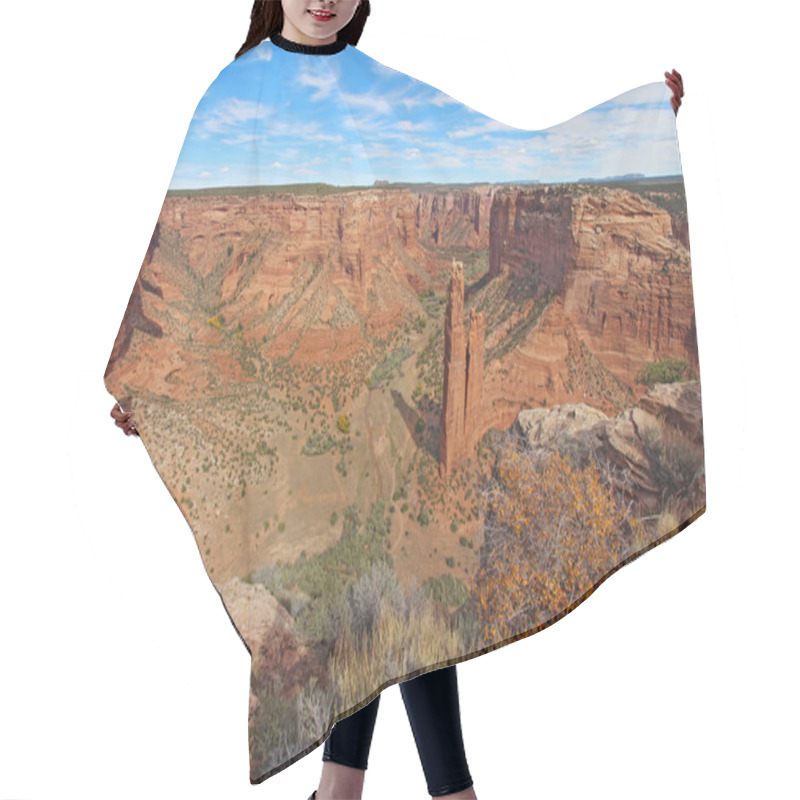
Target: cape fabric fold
x,y
419,381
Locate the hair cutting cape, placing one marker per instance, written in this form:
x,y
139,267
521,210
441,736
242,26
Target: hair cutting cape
x,y
419,381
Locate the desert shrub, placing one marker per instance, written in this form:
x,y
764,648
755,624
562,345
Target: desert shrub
x,y
676,463
552,530
665,370
376,589
408,631
447,590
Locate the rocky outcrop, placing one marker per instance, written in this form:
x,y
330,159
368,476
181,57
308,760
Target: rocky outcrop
x,y
548,427
268,630
633,442
461,418
678,405
254,611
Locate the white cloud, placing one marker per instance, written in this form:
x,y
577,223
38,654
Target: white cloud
x,y
229,115
322,82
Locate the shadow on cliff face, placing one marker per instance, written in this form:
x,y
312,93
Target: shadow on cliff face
x,y
134,317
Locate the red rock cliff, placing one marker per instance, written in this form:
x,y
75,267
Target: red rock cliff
x,y
624,296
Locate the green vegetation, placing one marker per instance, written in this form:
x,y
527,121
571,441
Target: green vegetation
x,y
389,365
676,463
433,303
318,443
350,601
447,590
665,370
323,578
389,631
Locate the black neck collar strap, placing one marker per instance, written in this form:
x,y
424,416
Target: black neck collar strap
x,y
311,49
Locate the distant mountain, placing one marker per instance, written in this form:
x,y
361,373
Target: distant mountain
x,y
632,177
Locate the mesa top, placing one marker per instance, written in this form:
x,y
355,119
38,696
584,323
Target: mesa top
x,y
418,380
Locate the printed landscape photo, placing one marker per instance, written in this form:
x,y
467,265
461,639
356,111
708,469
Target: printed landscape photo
x,y
411,421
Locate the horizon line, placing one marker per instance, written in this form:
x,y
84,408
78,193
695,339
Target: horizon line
x,y
379,184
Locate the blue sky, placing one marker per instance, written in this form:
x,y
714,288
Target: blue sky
x,y
275,117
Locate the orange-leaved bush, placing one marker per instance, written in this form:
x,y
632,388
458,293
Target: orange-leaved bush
x,y
552,531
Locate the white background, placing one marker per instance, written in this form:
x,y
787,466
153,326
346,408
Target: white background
x,y
120,673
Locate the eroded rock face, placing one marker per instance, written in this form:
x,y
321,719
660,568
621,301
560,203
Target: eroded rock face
x,y
268,630
473,412
255,612
135,317
314,277
318,276
623,272
633,442
678,404
621,278
451,430
461,420
546,427
233,283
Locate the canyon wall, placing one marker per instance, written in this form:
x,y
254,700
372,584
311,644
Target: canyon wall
x,y
319,277
613,255
307,276
623,289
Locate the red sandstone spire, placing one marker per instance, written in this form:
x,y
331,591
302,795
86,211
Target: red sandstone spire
x,y
463,376
475,357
